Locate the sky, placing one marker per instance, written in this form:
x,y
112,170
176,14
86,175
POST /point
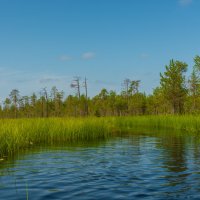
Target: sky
x,y
45,43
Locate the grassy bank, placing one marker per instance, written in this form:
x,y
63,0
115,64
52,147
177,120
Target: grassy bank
x,y
17,134
23,133
190,124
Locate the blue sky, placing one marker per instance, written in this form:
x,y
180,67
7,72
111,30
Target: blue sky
x,y
47,42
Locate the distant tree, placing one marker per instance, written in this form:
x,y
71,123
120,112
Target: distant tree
x,y
34,105
24,106
54,92
44,102
86,96
41,103
59,103
7,105
157,103
126,86
197,63
103,95
130,88
137,104
134,87
126,91
194,86
112,102
76,84
45,94
101,102
71,105
121,105
14,96
194,83
33,99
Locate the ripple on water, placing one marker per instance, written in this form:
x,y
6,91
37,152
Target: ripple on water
x,y
135,167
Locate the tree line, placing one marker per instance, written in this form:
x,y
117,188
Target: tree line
x,y
176,94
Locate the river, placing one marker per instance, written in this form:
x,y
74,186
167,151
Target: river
x,y
135,166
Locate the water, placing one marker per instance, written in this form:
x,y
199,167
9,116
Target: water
x,y
138,166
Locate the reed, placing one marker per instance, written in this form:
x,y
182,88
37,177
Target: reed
x,y
18,134
186,123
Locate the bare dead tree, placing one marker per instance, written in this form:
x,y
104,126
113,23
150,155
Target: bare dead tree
x,y
126,86
85,86
44,96
76,84
14,96
86,96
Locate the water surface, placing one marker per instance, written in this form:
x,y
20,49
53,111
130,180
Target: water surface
x,y
136,166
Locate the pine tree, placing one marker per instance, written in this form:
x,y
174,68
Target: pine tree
x,y
173,85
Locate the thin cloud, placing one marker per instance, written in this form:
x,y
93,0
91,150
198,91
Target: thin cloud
x,y
109,83
52,79
49,80
185,2
144,56
65,58
88,55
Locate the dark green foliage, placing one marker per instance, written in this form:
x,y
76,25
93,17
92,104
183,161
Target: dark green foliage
x,y
173,85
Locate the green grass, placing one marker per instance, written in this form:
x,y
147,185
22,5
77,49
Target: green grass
x,y
19,134
181,123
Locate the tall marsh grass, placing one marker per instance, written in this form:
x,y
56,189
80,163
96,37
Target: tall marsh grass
x,y
18,134
184,123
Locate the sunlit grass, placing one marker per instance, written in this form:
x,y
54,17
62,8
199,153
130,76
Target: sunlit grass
x,y
18,134
185,122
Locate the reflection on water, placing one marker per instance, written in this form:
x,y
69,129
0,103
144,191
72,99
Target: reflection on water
x,y
138,166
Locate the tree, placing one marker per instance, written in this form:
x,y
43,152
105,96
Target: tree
x,y
14,96
130,88
44,102
121,105
59,103
194,85
54,92
157,104
173,85
24,106
33,105
126,86
71,105
126,91
86,96
100,102
134,87
112,102
47,101
76,84
7,104
197,63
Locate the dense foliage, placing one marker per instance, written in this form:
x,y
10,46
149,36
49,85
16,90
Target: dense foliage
x,y
177,94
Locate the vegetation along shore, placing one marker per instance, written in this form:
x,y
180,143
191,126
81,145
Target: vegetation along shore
x,y
19,134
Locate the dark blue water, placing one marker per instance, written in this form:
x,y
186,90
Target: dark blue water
x,y
133,167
